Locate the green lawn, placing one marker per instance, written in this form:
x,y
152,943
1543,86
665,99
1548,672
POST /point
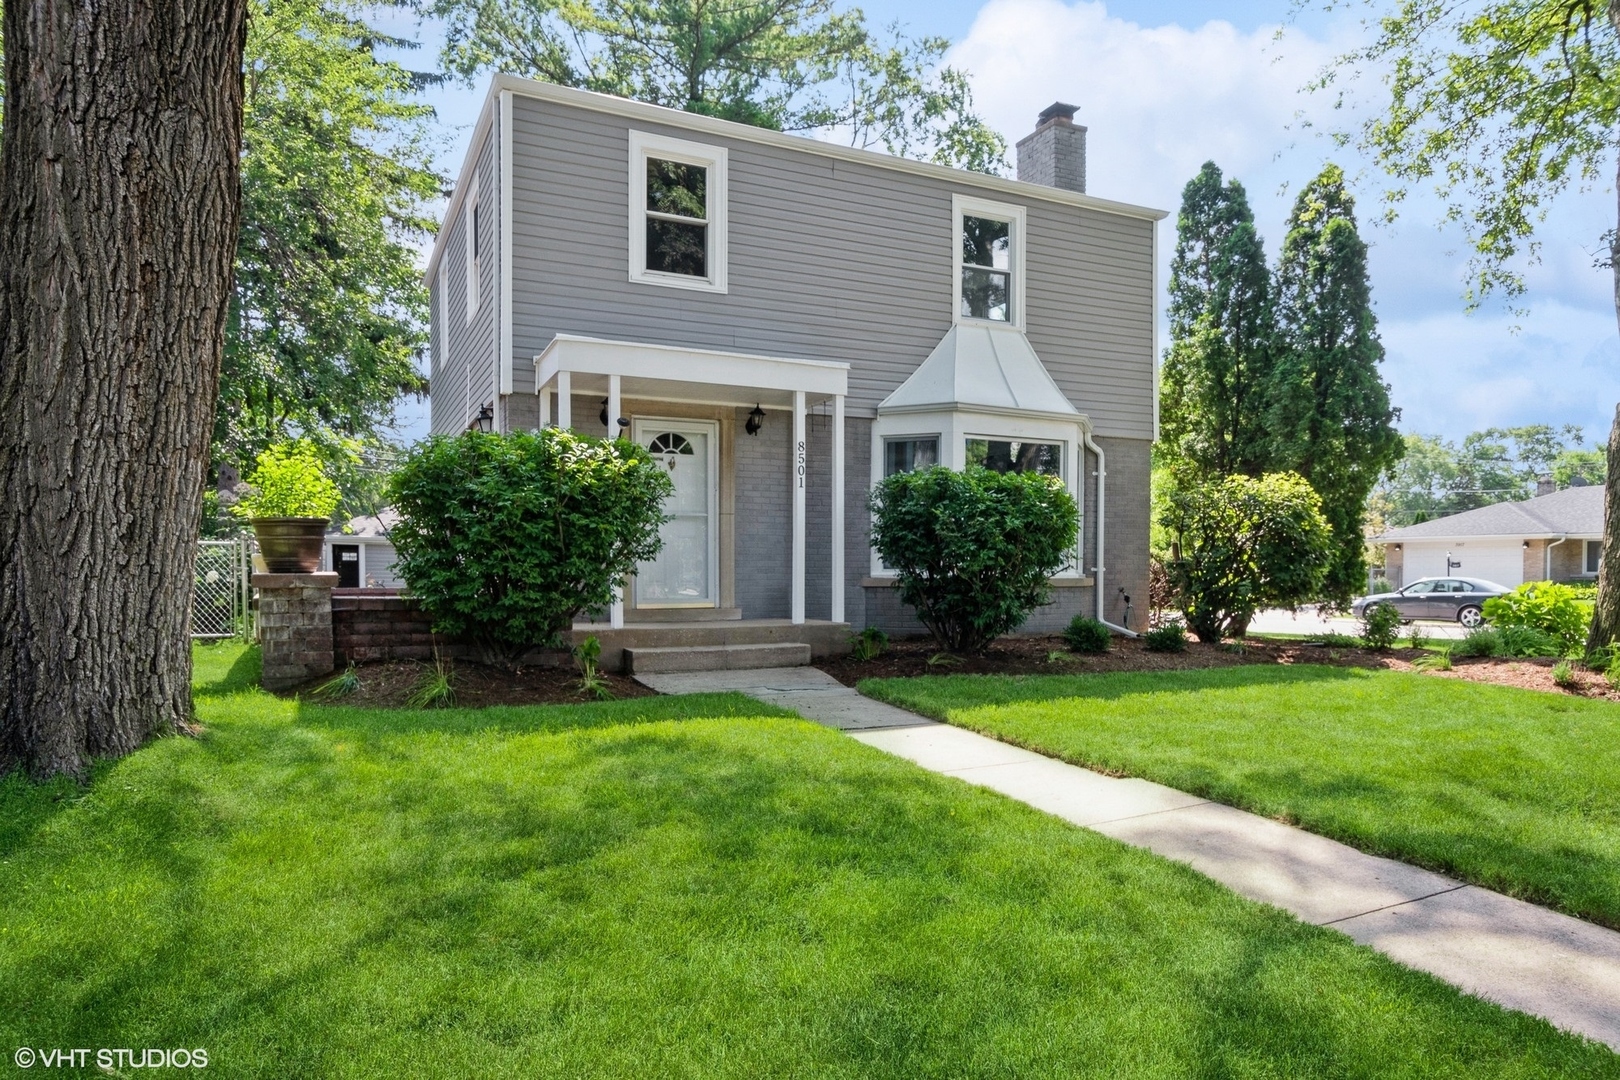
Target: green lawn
x,y
1512,789
665,887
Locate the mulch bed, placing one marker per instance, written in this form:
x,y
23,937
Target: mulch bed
x,y
1049,655
389,683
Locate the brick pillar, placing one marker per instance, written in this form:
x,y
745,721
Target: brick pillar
x,y
295,627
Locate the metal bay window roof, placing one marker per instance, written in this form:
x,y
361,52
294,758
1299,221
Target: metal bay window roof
x,y
982,369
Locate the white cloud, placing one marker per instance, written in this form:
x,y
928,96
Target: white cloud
x,y
1159,101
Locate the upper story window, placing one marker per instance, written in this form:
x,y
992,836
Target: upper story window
x,y
471,243
989,254
677,213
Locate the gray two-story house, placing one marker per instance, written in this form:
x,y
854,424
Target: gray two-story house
x,y
785,321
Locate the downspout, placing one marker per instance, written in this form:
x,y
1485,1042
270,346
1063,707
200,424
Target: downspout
x,y
1546,569
1097,570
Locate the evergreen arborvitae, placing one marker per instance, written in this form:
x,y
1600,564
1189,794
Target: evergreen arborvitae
x,y
1331,420
1212,401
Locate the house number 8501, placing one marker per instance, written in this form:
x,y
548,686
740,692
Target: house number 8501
x,y
801,463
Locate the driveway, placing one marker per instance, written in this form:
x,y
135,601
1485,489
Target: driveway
x,y
1310,621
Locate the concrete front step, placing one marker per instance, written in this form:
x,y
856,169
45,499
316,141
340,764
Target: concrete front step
x,y
715,657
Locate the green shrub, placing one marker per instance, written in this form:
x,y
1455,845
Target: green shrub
x,y
289,480
504,539
1087,635
1243,544
868,644
586,655
436,688
1380,626
1528,641
1171,637
1563,674
1480,641
1381,585
973,550
1419,638
1546,606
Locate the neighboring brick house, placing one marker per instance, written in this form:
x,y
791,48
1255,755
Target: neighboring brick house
x,y
1557,537
784,321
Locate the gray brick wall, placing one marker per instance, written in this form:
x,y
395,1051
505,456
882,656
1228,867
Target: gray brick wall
x,y
764,521
295,627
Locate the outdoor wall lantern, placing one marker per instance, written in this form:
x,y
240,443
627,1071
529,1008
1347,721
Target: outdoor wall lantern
x,y
602,416
485,420
756,420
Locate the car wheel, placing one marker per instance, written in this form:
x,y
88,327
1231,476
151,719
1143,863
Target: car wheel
x,y
1470,616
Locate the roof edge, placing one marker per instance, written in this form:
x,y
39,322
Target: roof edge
x,y
659,114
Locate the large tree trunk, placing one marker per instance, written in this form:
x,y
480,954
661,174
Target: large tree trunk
x,y
1606,615
119,207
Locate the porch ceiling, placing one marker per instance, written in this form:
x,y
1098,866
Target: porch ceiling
x,y
670,373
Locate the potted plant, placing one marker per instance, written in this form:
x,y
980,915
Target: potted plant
x,y
289,502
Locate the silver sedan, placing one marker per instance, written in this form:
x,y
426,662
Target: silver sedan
x,y
1452,599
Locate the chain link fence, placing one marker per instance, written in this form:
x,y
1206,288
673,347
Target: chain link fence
x,y
219,590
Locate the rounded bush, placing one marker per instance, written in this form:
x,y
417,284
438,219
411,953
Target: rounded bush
x,y
1087,635
972,551
504,539
1171,638
1547,606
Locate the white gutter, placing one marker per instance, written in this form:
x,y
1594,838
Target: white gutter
x,y
1102,489
1547,556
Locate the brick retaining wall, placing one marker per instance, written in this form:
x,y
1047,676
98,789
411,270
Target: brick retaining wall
x,y
382,627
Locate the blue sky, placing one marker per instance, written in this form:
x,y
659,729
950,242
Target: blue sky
x,y
1164,85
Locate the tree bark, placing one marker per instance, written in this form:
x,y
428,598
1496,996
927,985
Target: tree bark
x,y
119,209
1606,614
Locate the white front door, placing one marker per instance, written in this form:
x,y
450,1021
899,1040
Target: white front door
x,y
686,572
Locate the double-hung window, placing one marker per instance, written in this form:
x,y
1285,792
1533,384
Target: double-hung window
x,y
989,260
677,213
1594,556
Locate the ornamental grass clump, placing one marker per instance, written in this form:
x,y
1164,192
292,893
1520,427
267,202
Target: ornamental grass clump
x,y
973,551
1481,641
504,539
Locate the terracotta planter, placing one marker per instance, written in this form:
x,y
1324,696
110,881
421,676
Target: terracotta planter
x,y
290,545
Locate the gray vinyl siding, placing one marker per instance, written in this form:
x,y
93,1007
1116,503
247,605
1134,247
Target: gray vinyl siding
x,y
829,260
465,376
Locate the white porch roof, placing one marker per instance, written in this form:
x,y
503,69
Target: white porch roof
x,y
984,368
674,373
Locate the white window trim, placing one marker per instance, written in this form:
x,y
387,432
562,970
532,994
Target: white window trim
x,y
954,428
469,229
967,204
644,145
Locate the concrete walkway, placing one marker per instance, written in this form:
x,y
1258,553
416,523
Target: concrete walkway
x,y
1502,949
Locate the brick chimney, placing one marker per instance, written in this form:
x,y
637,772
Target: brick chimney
x,y
1055,153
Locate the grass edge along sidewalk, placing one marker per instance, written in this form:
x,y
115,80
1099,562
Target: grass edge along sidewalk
x,y
1513,790
696,886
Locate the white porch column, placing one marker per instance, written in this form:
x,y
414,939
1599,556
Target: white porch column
x,y
565,399
838,509
545,407
798,506
616,609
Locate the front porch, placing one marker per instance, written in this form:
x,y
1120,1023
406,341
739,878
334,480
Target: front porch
x,y
702,412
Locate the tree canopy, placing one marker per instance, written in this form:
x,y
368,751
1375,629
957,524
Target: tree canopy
x,y
1222,325
791,65
1436,477
1502,107
1329,416
329,311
